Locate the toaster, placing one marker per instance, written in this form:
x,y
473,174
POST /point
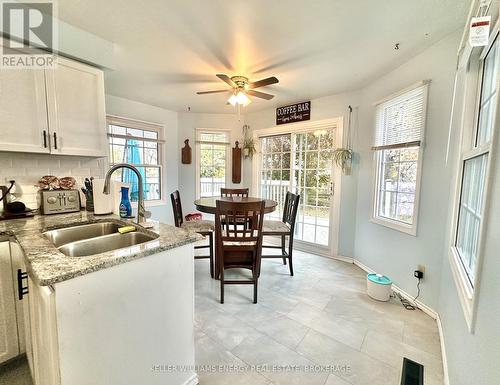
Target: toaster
x,y
59,201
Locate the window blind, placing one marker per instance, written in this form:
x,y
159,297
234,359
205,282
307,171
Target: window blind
x,y
400,120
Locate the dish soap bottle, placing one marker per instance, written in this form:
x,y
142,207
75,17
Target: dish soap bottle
x,y
125,206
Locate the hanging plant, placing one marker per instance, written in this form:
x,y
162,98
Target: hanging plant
x,y
249,148
343,158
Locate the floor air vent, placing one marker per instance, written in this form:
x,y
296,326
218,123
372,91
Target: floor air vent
x,y
413,373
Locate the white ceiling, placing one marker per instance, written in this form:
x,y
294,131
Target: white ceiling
x,y
166,50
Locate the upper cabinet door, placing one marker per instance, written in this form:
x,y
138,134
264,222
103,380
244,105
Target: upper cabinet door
x,y
76,109
23,111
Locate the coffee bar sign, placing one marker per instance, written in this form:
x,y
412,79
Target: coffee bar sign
x,y
293,113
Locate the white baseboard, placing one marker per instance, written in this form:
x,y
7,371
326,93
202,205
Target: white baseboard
x,y
426,309
446,378
193,380
343,259
422,306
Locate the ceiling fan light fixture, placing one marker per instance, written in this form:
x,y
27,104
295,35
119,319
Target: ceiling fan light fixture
x,y
239,98
243,99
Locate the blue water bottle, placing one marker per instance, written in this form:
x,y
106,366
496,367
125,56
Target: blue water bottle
x,y
125,206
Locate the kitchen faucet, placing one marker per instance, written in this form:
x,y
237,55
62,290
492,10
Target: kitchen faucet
x,y
142,214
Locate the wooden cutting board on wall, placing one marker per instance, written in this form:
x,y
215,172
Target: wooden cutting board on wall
x,y
236,163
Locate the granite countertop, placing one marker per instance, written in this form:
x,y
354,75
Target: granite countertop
x,y
47,265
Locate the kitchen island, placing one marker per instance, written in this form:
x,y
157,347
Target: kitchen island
x,y
116,317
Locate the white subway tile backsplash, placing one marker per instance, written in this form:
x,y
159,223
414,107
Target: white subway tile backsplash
x,y
80,172
9,172
26,169
37,172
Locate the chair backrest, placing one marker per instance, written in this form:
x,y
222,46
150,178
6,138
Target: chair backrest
x,y
233,236
234,192
290,209
177,207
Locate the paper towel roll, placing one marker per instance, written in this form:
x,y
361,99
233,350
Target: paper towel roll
x,y
103,203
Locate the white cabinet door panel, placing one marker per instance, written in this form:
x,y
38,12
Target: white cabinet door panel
x,y
8,329
17,259
23,111
77,117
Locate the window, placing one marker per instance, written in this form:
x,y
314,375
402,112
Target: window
x,y
301,162
476,105
400,123
474,167
213,155
138,144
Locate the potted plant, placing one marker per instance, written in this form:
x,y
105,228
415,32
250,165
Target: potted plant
x,y
249,148
343,158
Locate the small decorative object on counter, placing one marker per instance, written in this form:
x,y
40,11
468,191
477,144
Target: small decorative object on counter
x,y
379,286
48,182
125,206
67,183
186,153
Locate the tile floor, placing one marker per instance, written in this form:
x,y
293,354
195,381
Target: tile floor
x,y
318,327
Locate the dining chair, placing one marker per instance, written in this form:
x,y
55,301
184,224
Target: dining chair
x,y
239,246
284,228
234,192
203,227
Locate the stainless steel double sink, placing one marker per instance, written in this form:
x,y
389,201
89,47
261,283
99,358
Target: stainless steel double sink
x,y
95,238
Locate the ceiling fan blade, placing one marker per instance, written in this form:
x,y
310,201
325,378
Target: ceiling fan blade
x,y
264,82
210,92
226,79
259,94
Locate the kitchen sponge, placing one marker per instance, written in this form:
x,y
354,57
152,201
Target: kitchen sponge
x,y
126,229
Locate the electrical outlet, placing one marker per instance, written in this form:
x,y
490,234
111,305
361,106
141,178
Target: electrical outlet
x,y
421,268
418,274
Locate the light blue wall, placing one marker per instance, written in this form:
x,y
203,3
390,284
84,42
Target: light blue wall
x,y
385,250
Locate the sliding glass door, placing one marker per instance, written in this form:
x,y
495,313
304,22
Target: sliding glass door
x,y
301,162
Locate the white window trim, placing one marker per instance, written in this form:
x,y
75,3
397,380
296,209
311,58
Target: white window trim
x,y
151,126
198,131
311,125
387,222
469,294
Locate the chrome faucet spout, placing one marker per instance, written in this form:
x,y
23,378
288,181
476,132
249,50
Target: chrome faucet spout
x,y
142,214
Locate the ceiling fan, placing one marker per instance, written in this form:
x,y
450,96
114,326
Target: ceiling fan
x,y
241,87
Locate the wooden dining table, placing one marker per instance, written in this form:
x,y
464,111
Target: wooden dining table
x,y
208,205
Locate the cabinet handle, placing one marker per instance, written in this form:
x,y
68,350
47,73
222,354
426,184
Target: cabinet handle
x,y
44,139
22,290
55,141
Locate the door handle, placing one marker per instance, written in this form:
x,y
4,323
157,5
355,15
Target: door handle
x,y
44,139
21,290
55,141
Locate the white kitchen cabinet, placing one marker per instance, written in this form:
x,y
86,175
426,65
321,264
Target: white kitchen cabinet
x,y
17,260
43,331
23,111
76,112
9,344
58,111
